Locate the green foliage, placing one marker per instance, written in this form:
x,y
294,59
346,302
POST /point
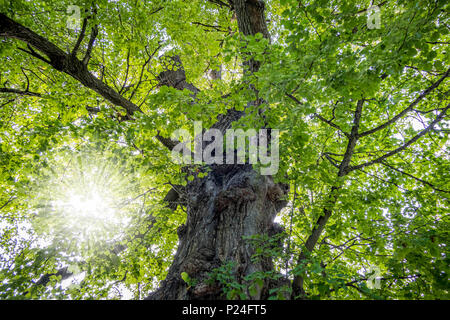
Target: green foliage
x,y
322,58
189,281
251,285
225,276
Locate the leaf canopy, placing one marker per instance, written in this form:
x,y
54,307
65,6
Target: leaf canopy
x,y
60,139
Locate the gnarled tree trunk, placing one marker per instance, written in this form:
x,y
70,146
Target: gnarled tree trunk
x,y
233,202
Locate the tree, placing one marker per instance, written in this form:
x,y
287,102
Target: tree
x,y
92,92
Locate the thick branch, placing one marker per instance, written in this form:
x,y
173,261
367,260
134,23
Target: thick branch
x,y
297,283
407,144
80,37
250,17
352,140
409,108
87,56
68,64
344,169
167,142
64,62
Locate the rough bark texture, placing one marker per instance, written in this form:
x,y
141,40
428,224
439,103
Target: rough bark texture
x,y
231,203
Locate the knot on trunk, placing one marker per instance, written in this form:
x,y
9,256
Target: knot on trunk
x,y
277,191
233,196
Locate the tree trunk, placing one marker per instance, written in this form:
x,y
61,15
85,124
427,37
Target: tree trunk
x,y
230,204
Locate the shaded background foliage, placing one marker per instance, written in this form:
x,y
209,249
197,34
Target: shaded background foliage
x,y
390,215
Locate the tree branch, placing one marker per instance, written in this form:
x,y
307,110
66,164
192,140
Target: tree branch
x,y
217,28
150,57
34,54
87,56
20,92
7,102
297,283
68,64
332,161
352,140
329,122
409,108
403,147
63,62
332,124
167,142
415,178
80,37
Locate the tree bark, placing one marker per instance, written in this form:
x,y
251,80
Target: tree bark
x,y
231,203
